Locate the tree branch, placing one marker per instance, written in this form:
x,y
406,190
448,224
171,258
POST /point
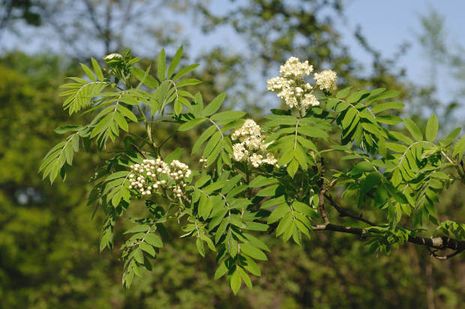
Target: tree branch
x,y
440,242
343,212
321,205
5,18
93,18
434,254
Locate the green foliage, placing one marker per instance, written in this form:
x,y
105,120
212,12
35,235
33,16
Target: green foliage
x,y
384,239
216,148
361,119
292,138
143,244
452,229
81,93
226,203
60,155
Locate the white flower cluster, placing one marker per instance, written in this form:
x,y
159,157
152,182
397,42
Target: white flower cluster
x,y
294,68
326,80
291,87
250,146
151,175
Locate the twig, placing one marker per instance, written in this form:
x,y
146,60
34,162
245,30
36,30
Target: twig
x,y
321,205
434,254
439,243
343,212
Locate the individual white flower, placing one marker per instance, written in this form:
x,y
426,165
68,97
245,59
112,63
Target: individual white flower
x,y
257,159
203,162
326,80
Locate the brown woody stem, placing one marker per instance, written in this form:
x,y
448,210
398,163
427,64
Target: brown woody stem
x,y
440,242
343,212
321,205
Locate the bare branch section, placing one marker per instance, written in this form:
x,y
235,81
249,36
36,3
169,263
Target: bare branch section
x,y
321,206
343,212
434,244
438,243
434,253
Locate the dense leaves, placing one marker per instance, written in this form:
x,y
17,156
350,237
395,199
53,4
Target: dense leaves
x,y
398,170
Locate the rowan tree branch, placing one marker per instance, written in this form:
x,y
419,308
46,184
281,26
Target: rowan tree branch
x,y
321,205
434,254
343,212
321,194
438,243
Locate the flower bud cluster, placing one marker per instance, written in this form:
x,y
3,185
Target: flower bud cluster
x,y
250,146
113,56
152,175
114,59
291,87
203,162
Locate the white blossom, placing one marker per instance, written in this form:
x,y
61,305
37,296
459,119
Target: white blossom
x,y
326,80
309,100
248,130
270,159
256,159
291,87
151,175
276,83
239,152
179,170
250,146
294,68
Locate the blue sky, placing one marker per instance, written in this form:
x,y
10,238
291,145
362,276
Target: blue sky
x,y
386,24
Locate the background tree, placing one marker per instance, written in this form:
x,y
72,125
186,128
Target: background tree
x,y
275,30
11,11
87,27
